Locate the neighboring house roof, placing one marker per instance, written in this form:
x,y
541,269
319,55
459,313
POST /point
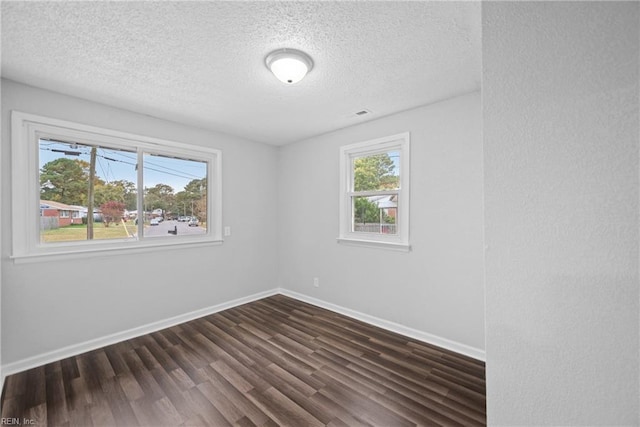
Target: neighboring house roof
x,y
48,204
384,202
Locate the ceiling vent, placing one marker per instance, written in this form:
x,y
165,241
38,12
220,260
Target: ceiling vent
x,y
363,113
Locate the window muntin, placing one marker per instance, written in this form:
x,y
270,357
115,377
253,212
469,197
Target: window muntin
x,y
375,192
30,131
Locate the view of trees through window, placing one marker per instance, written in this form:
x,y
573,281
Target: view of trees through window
x,y
76,179
376,179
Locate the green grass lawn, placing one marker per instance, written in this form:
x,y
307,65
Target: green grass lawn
x,y
79,232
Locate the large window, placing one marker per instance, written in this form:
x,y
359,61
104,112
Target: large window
x,y
79,189
374,200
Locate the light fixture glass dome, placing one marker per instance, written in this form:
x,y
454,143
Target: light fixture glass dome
x,y
289,65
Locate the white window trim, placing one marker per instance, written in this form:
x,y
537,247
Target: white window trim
x,y
400,241
27,128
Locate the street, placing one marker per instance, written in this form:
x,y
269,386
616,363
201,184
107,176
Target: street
x,y
164,227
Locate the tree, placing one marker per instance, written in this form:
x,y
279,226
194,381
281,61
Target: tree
x,y
193,199
107,192
112,211
374,173
129,193
365,211
122,191
201,208
196,187
64,180
160,197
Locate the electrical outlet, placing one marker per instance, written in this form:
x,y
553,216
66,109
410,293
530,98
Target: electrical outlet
x,y
316,282
227,231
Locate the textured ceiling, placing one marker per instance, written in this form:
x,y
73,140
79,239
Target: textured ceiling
x,y
202,63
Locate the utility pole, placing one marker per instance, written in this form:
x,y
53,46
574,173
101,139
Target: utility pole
x,y
92,175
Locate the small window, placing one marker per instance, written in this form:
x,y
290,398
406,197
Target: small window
x,y
87,189
374,201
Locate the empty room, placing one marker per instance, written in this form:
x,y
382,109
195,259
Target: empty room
x,y
320,213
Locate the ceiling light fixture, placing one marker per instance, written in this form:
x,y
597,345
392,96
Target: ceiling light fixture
x,y
289,65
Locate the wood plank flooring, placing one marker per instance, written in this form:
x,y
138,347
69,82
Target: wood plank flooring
x,y
277,361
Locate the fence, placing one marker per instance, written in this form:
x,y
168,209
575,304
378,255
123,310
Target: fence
x,y
375,228
49,223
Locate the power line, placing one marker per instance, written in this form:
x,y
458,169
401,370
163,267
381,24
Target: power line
x,y
171,169
106,177
147,162
179,174
168,173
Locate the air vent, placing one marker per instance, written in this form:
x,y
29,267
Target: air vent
x,y
363,112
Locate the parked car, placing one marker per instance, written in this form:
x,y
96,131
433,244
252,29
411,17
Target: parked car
x,y
183,218
193,222
154,221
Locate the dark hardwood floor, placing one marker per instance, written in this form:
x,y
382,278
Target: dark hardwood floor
x,y
277,361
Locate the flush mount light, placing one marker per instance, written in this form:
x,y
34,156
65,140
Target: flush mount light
x,y
289,65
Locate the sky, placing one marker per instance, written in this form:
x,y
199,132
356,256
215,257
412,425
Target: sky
x,y
114,165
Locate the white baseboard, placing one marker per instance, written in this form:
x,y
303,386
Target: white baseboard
x,y
454,346
76,349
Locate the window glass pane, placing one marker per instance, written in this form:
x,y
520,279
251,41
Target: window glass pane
x,y
175,196
65,168
376,172
375,214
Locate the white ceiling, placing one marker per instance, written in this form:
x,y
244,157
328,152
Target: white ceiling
x,y
202,63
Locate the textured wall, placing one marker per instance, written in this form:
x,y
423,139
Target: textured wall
x,y
437,287
47,306
560,96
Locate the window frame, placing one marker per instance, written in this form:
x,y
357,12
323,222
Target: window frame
x,y
399,241
27,129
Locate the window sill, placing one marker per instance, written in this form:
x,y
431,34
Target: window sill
x,y
88,252
398,247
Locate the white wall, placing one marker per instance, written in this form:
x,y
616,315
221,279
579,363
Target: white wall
x,y
561,129
437,288
1,274
50,305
